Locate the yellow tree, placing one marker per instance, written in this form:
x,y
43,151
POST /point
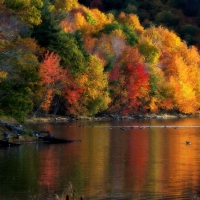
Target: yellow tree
x,y
27,11
185,97
132,20
150,52
87,94
180,66
101,18
96,96
66,4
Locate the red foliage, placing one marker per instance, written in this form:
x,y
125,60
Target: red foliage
x,y
72,94
114,74
50,70
137,85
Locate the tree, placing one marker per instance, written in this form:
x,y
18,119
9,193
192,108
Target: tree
x,y
27,11
66,5
130,34
52,78
51,36
137,86
18,67
72,93
17,88
129,83
167,19
88,95
96,95
179,65
148,50
188,32
132,20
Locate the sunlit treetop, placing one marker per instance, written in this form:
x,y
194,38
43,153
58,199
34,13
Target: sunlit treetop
x,y
66,5
26,10
132,20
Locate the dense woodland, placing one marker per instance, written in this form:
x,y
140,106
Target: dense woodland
x,y
102,56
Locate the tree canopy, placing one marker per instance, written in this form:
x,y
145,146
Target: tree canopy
x,y
60,57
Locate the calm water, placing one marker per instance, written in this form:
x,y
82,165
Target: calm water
x,y
110,162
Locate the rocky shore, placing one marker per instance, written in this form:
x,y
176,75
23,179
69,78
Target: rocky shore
x,y
7,127
107,117
15,133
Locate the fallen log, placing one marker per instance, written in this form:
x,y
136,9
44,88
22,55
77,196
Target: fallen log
x,y
50,139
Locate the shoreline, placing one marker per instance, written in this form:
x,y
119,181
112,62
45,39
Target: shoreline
x,y
29,137
109,118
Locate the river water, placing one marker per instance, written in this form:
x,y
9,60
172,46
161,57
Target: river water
x,y
130,160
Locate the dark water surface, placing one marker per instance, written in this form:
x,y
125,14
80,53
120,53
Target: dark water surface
x,y
130,160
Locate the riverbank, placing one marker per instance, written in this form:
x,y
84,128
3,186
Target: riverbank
x,y
108,117
15,133
28,136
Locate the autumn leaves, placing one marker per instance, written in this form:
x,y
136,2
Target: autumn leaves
x,y
81,62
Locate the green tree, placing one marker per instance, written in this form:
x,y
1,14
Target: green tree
x,y
69,47
27,11
129,32
167,19
188,32
16,90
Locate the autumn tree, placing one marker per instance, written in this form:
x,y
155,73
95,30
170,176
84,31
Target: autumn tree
x,y
132,20
18,67
130,34
52,78
96,95
88,94
50,36
66,5
137,85
17,88
148,50
179,65
27,11
129,83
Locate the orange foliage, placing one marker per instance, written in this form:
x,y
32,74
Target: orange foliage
x,y
132,20
130,56
90,43
52,76
137,85
180,65
47,101
50,70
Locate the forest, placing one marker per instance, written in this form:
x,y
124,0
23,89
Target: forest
x,y
84,58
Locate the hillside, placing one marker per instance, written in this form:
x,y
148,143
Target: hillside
x,y
181,16
63,58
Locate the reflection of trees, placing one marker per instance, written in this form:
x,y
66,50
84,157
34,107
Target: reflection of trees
x,y
184,158
137,160
95,155
49,167
172,162
18,172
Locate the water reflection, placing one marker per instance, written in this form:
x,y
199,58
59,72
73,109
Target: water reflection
x,y
111,162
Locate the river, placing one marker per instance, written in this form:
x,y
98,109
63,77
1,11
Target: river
x,y
129,160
